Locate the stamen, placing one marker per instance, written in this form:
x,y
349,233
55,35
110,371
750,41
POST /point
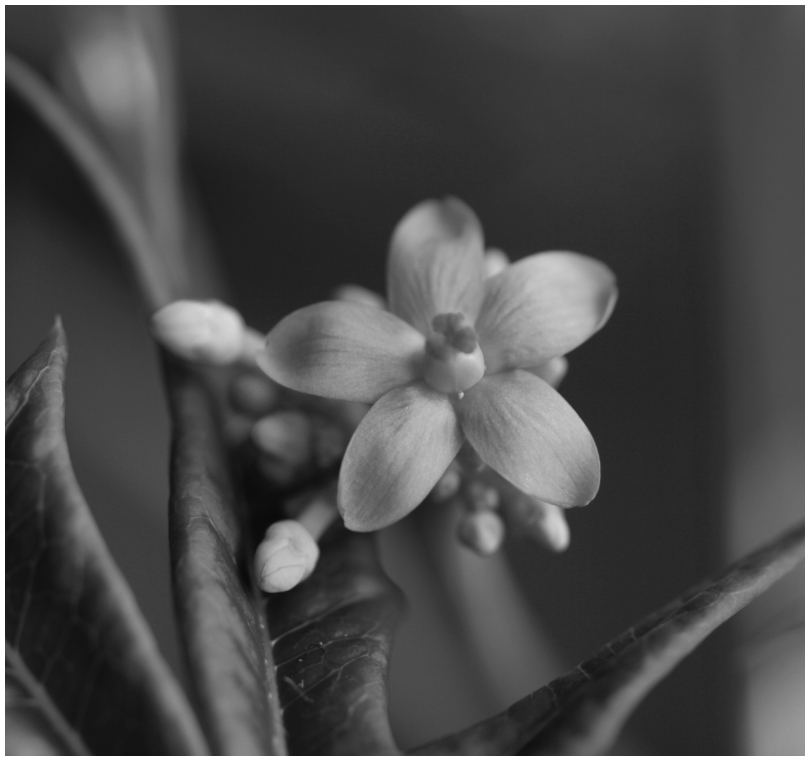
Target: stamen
x,y
453,361
457,334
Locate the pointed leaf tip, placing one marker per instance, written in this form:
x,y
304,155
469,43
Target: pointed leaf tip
x,y
77,647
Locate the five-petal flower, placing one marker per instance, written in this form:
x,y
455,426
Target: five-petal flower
x,y
455,358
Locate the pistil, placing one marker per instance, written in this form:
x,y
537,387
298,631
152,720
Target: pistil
x,y
453,360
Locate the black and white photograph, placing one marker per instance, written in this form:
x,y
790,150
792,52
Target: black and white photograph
x,y
405,379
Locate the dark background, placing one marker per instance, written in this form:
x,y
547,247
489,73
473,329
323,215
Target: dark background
x,y
665,141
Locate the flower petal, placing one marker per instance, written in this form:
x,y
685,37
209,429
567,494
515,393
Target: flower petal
x,y
436,263
543,306
528,433
397,454
342,351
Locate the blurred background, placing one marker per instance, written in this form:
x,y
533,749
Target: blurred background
x,y
665,141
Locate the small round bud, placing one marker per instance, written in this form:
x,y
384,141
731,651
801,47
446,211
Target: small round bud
x,y
359,295
495,262
482,497
482,532
209,332
448,485
253,394
285,435
286,556
552,371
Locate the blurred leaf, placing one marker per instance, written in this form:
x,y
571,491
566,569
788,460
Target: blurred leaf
x,y
583,711
156,277
332,639
226,641
117,69
83,672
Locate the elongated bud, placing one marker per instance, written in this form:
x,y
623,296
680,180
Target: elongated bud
x,y
483,532
286,556
209,332
546,524
543,522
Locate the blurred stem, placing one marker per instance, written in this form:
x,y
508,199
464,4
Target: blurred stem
x,y
157,286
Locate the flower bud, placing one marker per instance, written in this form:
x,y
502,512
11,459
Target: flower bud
x,y
552,371
358,295
495,262
448,485
482,532
482,497
285,435
253,394
546,524
286,556
209,332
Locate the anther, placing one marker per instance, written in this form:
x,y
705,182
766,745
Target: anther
x,y
454,361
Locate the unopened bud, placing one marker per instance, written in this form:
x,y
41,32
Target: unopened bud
x,y
253,394
356,294
546,524
286,556
495,262
482,497
552,371
448,485
482,532
200,331
285,435
541,521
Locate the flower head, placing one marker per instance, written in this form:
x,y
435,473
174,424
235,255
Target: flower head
x,y
460,356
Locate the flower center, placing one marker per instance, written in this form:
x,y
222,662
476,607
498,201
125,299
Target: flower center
x,y
453,360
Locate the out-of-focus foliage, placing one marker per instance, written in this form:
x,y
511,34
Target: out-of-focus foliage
x,y
305,671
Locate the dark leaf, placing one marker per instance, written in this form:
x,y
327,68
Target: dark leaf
x,y
83,672
331,636
226,641
583,711
332,641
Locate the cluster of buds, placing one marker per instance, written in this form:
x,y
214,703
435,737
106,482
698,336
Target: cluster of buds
x,y
297,440
490,507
